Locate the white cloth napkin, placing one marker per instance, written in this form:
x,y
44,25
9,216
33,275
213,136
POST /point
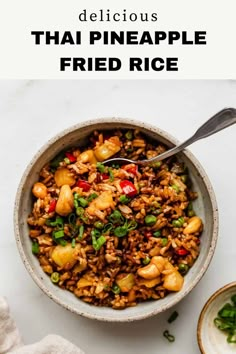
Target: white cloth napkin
x,y
11,341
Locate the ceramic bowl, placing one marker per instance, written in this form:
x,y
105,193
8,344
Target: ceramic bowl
x,y
205,207
210,339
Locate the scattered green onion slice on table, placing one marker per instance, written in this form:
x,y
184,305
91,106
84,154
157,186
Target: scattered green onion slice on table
x,y
168,336
173,317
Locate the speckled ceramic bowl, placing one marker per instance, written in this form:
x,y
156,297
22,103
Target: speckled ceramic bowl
x,y
210,339
205,207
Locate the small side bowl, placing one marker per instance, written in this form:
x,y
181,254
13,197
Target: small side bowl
x,y
210,339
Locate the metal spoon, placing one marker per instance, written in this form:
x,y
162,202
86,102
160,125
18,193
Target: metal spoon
x,y
219,121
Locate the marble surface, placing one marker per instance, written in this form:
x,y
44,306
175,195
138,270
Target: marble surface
x,y
34,111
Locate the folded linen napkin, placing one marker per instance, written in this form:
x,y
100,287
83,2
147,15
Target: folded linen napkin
x,y
11,341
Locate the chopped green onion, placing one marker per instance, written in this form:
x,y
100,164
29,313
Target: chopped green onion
x,y
116,217
72,218
111,174
73,243
58,222
56,161
55,277
120,231
129,135
35,247
99,225
124,199
150,220
115,289
95,233
83,202
67,161
157,233
168,336
98,243
175,187
108,227
80,211
173,317
91,197
100,167
58,234
130,150
81,232
62,242
164,241
146,260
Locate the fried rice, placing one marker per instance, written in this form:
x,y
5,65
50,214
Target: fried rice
x,y
115,235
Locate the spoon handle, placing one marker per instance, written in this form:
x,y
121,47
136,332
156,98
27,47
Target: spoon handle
x,y
219,121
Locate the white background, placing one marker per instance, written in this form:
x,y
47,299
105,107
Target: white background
x,y
21,59
34,111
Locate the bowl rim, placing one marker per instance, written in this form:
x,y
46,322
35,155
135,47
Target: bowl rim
x,y
210,300
152,129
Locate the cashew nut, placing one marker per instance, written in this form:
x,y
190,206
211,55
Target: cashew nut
x,y
65,203
39,190
194,225
150,271
153,269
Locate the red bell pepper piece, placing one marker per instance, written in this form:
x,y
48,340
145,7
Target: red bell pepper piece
x,y
84,185
71,157
52,206
181,251
148,234
104,176
131,169
128,188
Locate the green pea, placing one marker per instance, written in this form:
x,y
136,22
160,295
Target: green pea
x,y
183,268
124,199
178,223
156,165
157,233
150,220
164,241
146,260
99,225
55,277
